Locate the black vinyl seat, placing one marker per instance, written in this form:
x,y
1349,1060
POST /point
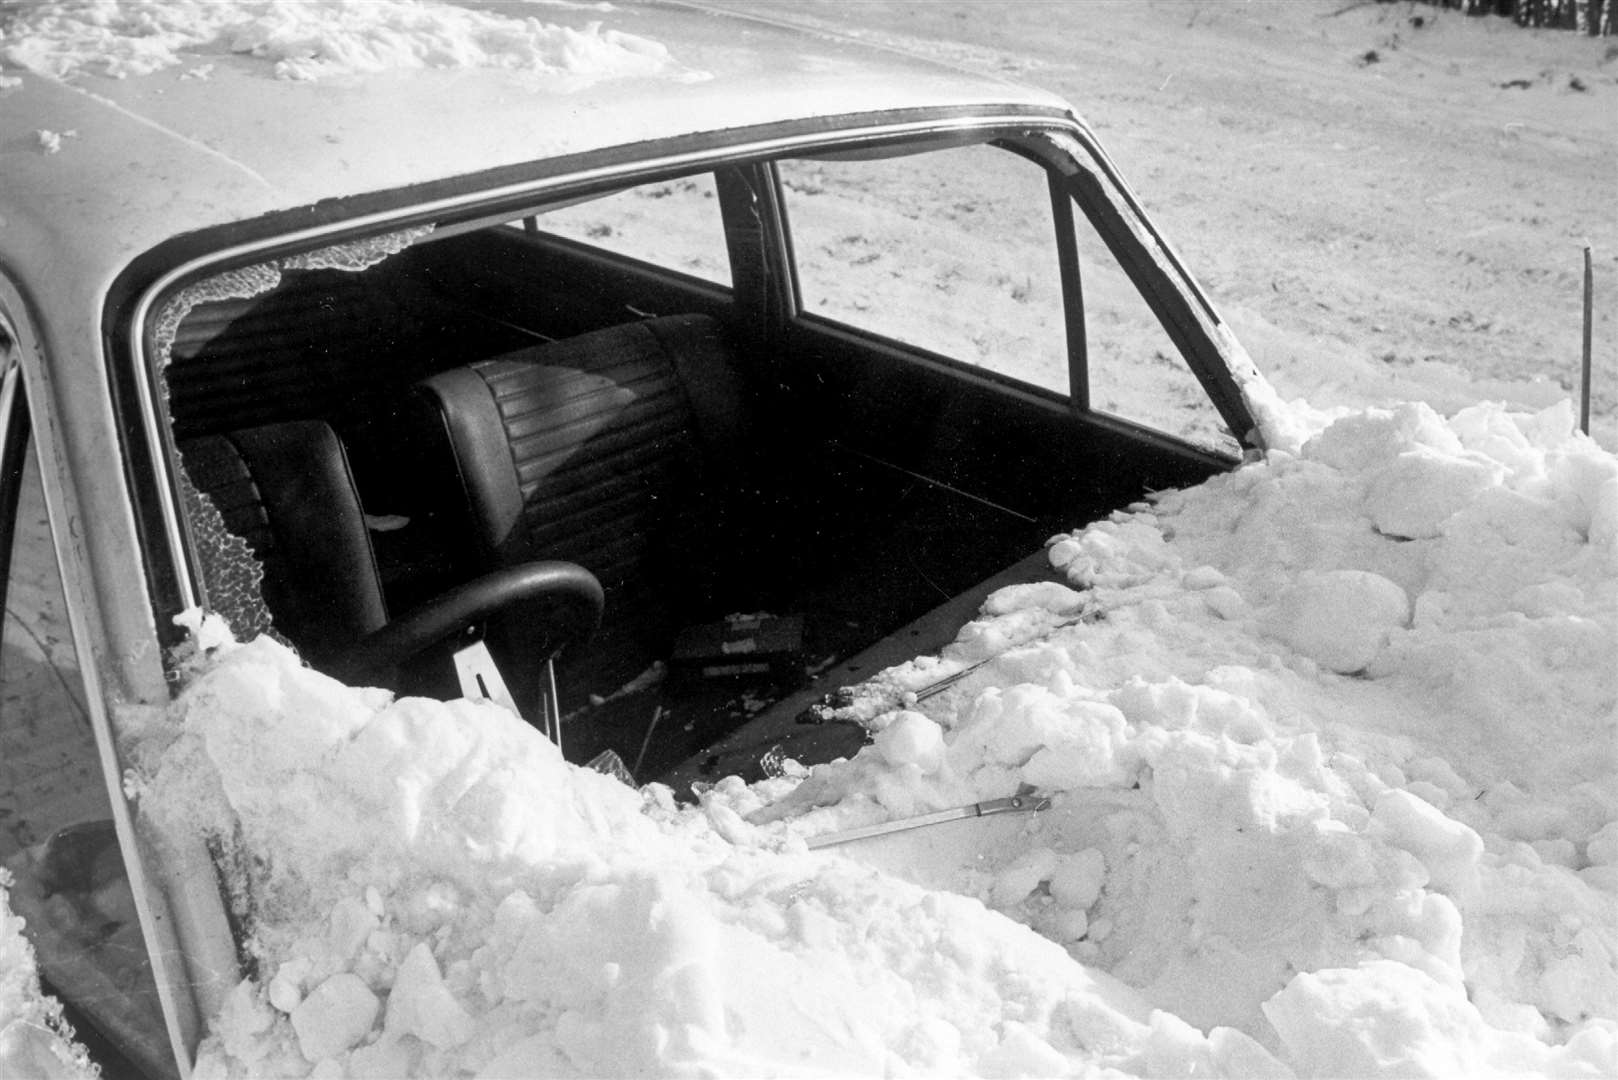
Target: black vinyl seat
x,y
286,489
286,493
624,450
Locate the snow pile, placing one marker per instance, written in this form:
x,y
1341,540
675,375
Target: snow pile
x,y
34,1041
438,892
1330,745
316,40
1339,727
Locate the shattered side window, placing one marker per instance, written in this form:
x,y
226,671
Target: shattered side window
x,y
231,573
57,843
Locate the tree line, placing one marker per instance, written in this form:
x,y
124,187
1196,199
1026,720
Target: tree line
x,y
1593,17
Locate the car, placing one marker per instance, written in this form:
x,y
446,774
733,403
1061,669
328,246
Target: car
x,y
659,380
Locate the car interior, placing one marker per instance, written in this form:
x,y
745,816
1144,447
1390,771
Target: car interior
x,y
673,504
508,400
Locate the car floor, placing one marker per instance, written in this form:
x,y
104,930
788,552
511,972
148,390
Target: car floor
x,y
935,548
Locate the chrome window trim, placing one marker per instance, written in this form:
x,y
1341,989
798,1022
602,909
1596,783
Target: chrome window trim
x,y
10,377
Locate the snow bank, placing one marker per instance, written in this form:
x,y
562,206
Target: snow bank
x,y
315,40
436,890
1330,745
34,1041
1341,728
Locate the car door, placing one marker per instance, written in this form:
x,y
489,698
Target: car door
x,y
59,845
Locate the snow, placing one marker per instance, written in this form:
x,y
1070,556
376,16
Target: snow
x,y
332,39
34,1040
1330,747
1340,618
338,1013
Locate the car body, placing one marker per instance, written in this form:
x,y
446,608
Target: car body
x,y
203,248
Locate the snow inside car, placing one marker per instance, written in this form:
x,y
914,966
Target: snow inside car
x,y
655,371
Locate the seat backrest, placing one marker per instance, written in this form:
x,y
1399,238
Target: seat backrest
x,y
618,450
286,490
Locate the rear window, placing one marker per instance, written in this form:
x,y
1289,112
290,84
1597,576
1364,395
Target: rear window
x,y
671,223
953,251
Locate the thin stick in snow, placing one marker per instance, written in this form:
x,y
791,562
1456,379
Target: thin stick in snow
x,y
1584,372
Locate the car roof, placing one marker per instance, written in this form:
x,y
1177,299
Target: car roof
x,y
99,169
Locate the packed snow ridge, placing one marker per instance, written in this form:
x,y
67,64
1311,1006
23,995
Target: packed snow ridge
x,y
1330,747
316,39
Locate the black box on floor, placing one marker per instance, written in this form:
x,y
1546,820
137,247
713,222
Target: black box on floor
x,y
741,647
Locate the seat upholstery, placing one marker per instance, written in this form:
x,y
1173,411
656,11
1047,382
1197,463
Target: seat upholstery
x,y
287,491
619,450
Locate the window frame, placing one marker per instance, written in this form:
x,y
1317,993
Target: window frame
x,y
797,312
762,297
14,441
533,228
1163,282
1078,173
1111,229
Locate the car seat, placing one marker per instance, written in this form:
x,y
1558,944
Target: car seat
x,y
625,450
287,502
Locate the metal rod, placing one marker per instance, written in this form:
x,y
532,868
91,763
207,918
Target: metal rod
x,y
657,714
951,488
553,703
948,681
1584,373
1011,805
